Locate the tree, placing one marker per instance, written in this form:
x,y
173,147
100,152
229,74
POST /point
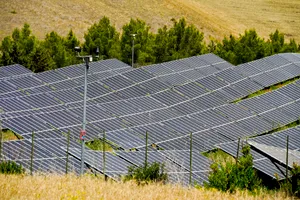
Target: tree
x,y
143,43
60,50
19,47
104,36
180,41
243,49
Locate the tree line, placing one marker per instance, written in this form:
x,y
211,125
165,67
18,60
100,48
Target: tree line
x,y
169,43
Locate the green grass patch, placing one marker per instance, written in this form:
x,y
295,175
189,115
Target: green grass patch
x,y
219,156
97,145
8,135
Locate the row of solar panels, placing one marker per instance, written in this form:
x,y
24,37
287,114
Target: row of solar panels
x,y
218,124
230,82
269,152
54,160
126,112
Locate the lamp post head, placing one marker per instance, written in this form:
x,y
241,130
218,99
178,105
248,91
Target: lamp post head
x,y
133,35
97,52
77,49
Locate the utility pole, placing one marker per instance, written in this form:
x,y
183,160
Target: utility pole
x,y
132,48
87,59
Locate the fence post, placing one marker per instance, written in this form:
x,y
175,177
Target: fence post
x,y
146,152
1,138
103,153
238,151
31,154
287,159
67,159
191,157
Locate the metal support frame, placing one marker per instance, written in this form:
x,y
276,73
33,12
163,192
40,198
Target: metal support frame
x,y
83,132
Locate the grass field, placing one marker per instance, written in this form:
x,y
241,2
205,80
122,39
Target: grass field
x,y
214,17
72,187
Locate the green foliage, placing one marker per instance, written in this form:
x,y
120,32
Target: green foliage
x,y
104,36
231,176
19,48
149,173
292,187
10,167
97,144
179,41
143,42
60,50
295,172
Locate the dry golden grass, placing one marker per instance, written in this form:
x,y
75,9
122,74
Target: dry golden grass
x,y
72,187
214,17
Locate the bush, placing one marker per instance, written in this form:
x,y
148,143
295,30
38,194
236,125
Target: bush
x,y
10,167
231,176
296,180
292,187
148,173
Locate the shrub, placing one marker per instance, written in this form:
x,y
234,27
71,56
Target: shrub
x,y
231,176
10,167
149,173
296,180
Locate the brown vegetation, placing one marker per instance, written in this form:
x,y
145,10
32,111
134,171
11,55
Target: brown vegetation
x,y
214,17
72,187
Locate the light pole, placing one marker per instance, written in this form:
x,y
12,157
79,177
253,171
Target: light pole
x,y
86,59
132,59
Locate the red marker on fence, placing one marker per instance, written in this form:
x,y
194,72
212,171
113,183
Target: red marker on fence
x,y
82,134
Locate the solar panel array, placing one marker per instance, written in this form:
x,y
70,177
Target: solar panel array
x,y
271,164
167,100
176,164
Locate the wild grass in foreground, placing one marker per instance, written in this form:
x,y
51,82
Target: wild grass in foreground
x,y
86,187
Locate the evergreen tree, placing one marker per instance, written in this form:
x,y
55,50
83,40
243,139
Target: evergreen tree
x,y
19,47
143,43
104,36
179,42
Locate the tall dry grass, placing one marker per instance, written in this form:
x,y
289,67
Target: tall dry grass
x,y
214,17
72,187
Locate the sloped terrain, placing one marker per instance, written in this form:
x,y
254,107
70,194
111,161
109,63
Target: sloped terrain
x,y
215,18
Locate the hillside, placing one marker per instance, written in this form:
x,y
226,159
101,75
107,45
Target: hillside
x,y
71,187
215,18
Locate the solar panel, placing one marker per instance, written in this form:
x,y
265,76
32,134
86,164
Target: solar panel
x,y
117,82
158,69
169,97
256,105
138,75
49,76
223,65
264,80
14,70
233,111
173,79
192,74
191,90
229,75
246,69
211,82
291,90
132,92
275,98
194,62
176,65
209,101
6,86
